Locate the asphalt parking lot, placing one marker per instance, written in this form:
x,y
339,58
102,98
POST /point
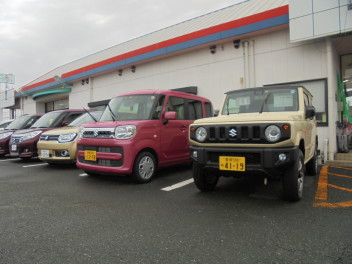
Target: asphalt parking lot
x,y
61,215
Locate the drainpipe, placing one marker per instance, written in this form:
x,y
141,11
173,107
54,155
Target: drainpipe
x,y
246,63
252,65
332,104
90,89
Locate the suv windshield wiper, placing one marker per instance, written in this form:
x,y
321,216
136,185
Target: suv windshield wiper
x,y
90,115
264,103
112,113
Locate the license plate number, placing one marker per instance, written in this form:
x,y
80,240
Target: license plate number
x,y
232,163
14,148
45,153
90,155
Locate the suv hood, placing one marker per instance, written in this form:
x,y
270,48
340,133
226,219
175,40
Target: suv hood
x,y
23,131
252,117
62,130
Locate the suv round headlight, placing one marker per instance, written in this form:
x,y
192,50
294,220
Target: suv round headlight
x,y
272,133
201,134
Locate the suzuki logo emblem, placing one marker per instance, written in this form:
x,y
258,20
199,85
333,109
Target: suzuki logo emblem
x,y
96,133
233,132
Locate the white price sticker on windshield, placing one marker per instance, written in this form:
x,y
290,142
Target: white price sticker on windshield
x,y
283,100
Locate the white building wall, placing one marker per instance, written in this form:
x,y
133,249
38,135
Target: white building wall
x,y
276,61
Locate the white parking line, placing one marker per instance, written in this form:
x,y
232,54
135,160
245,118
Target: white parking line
x,y
177,185
10,159
34,165
83,174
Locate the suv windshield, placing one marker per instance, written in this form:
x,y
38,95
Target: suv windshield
x,y
129,107
261,100
22,122
47,120
85,118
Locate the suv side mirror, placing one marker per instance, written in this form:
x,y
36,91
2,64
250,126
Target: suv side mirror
x,y
310,111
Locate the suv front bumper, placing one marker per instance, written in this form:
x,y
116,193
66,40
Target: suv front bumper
x,y
257,159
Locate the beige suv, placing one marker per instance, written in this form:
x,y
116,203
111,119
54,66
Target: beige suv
x,y
268,131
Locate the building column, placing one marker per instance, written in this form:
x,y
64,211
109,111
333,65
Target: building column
x,y
332,104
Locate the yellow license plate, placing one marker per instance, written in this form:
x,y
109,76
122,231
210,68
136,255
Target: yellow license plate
x,y
232,163
90,155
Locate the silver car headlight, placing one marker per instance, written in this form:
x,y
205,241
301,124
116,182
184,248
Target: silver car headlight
x,y
201,134
31,135
125,132
5,135
272,133
66,137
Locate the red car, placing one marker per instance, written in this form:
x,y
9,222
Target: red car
x,y
139,132
23,142
21,122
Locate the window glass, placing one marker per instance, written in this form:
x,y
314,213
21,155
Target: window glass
x,y
129,107
56,105
261,100
86,118
195,109
208,109
48,120
318,88
72,117
177,104
158,107
22,122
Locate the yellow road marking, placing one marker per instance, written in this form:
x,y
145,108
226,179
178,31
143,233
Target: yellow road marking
x,y
341,168
340,175
322,190
334,205
340,188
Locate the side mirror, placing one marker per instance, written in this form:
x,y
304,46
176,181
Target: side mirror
x,y
310,111
64,123
170,115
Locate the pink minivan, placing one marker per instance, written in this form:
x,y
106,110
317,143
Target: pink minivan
x,y
139,132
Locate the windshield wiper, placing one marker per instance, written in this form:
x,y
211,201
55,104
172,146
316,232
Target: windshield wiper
x,y
112,113
264,103
90,115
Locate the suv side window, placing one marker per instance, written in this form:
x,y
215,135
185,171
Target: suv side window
x,y
177,104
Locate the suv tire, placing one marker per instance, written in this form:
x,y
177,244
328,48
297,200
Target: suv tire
x,y
293,179
203,180
144,167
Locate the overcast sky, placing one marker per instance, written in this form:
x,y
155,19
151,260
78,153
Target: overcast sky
x,y
37,36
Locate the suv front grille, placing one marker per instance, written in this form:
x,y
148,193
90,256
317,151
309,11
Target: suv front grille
x,y
240,134
49,137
